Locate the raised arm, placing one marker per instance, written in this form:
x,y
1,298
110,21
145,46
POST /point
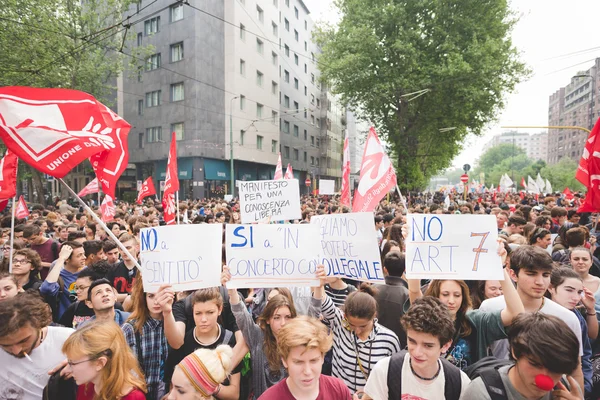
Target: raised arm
x,y
514,305
174,331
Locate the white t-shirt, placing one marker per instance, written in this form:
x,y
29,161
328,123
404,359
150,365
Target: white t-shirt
x,y
25,380
412,388
500,347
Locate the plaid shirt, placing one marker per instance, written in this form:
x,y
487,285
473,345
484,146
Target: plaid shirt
x,y
153,349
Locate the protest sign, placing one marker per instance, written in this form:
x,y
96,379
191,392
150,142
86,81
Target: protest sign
x,y
551,246
185,256
272,255
326,186
349,246
441,246
274,200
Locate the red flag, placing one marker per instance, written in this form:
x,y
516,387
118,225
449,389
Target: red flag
x,y
53,130
146,190
523,183
590,149
289,173
91,187
3,204
568,194
108,208
522,195
8,175
278,169
21,211
377,176
588,171
345,196
171,184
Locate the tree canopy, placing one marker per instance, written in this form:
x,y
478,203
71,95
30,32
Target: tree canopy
x,y
425,72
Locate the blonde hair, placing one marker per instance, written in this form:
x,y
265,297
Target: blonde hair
x,y
105,339
217,363
303,331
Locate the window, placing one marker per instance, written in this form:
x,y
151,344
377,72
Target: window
x,y
259,110
305,46
287,3
286,127
274,57
274,116
312,55
274,87
304,156
242,32
176,12
312,160
296,106
242,133
140,107
154,134
318,123
286,23
139,39
296,154
273,146
296,83
287,50
305,91
296,36
305,113
153,62
318,103
296,60
260,14
178,129
177,92
312,140
141,140
317,159
286,151
318,142
153,99
259,140
286,76
152,26
296,12
312,78
275,3
275,32
259,46
242,67
305,25
296,130
242,102
259,78
312,119
312,98
177,52
305,136
286,101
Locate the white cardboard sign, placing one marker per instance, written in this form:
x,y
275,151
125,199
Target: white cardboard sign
x,y
269,200
348,246
441,246
326,187
265,255
185,256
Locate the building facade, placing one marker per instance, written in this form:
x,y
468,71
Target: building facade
x,y
535,145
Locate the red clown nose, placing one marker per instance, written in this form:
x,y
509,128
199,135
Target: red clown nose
x,y
544,382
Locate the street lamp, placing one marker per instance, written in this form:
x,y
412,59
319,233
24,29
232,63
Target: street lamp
x,y
591,113
231,145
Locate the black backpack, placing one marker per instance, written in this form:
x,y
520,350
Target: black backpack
x,y
59,388
487,370
452,386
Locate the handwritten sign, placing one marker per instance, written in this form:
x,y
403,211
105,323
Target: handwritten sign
x,y
185,256
274,200
261,256
349,246
441,246
326,186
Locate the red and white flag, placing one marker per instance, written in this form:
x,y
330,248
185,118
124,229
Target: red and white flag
x,y
377,175
345,196
568,194
8,175
146,190
289,173
90,188
171,184
278,169
108,208
21,211
523,183
54,130
588,172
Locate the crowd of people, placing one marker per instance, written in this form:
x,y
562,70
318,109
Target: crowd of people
x,y
75,322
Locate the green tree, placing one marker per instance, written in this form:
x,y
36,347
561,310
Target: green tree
x,y
562,175
496,154
417,67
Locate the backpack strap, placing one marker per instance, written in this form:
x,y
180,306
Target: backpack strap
x,y
453,380
493,383
228,336
394,376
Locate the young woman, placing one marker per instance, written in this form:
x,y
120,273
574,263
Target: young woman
x,y
144,333
484,290
199,375
102,365
26,264
359,340
566,288
207,305
9,287
544,221
540,237
581,261
261,337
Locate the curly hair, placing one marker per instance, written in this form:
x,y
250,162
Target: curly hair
x,y
429,315
22,310
32,256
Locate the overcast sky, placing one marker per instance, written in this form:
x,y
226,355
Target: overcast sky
x,y
556,38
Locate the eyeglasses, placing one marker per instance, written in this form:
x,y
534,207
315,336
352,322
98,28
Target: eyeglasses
x,y
71,363
6,248
80,288
23,261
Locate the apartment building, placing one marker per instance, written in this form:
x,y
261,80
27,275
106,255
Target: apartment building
x,y
534,145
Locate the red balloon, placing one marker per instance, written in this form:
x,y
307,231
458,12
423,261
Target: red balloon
x,y
544,382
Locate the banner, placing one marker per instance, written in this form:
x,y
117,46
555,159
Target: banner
x,y
326,187
278,169
108,208
22,211
171,184
260,256
91,187
8,175
146,189
349,246
276,200
174,255
442,246
289,172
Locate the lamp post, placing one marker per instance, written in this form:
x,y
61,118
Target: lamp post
x,y
591,113
231,146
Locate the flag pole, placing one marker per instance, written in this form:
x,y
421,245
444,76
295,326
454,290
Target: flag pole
x,y
102,224
12,234
401,198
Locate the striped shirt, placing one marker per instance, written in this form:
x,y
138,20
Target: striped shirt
x,y
338,296
348,348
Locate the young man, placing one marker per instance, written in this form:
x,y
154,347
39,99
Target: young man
x,y
539,345
559,217
392,296
302,344
111,250
24,332
514,225
58,288
79,312
420,373
101,298
48,249
124,273
501,219
531,268
93,251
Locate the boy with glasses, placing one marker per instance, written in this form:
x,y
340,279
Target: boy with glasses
x,y
26,264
